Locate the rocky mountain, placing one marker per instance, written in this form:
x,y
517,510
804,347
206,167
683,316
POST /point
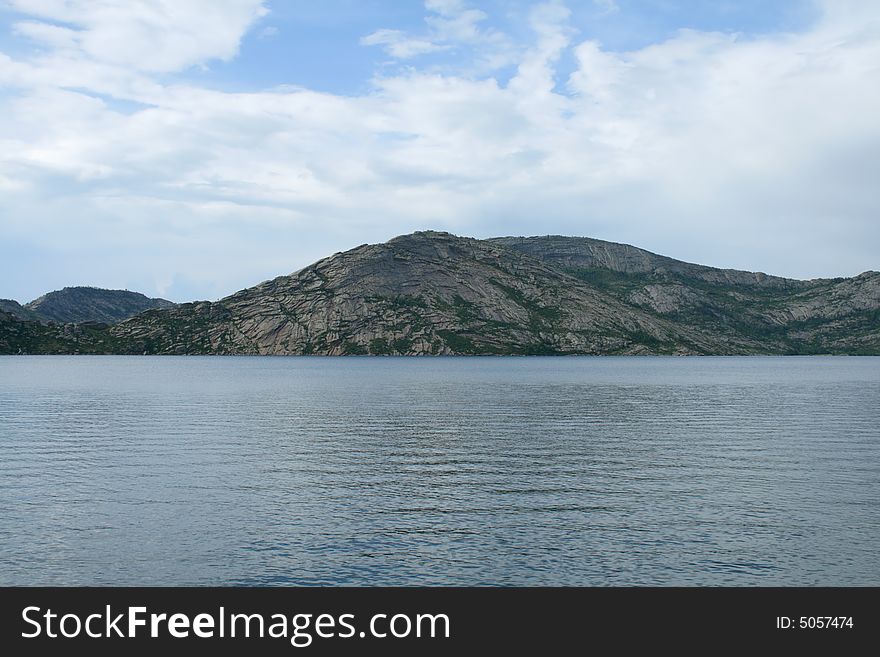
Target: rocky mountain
x,y
435,293
91,304
18,311
587,258
840,315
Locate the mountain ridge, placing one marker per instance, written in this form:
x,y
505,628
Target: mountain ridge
x,y
606,254
436,293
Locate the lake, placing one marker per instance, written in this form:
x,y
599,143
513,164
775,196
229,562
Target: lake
x,y
439,471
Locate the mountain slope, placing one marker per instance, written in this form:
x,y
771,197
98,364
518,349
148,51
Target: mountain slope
x,y
585,254
23,336
435,293
91,304
18,311
427,293
840,315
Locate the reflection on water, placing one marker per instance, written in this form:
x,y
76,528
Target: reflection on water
x,y
487,471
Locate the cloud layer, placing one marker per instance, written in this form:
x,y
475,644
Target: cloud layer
x,y
754,152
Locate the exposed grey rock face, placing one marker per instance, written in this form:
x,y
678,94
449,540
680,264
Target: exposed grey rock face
x,y
91,304
667,299
435,293
584,253
839,315
428,293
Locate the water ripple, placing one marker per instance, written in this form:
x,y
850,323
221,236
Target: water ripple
x,y
483,471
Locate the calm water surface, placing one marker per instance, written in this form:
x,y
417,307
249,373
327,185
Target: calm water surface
x,y
509,471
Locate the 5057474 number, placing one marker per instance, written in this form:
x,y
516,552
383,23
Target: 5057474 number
x,y
814,622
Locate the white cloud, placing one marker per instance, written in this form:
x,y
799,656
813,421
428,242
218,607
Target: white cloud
x,y
535,76
757,152
400,45
158,35
48,34
458,25
450,24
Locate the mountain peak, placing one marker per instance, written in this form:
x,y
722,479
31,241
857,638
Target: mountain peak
x,y
432,292
425,235
92,304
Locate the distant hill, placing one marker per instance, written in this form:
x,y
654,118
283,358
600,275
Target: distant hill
x,y
18,311
435,293
91,304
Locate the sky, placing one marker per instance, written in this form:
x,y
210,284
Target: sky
x,y
190,148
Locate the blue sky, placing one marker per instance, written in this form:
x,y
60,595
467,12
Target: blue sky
x,y
317,44
189,149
